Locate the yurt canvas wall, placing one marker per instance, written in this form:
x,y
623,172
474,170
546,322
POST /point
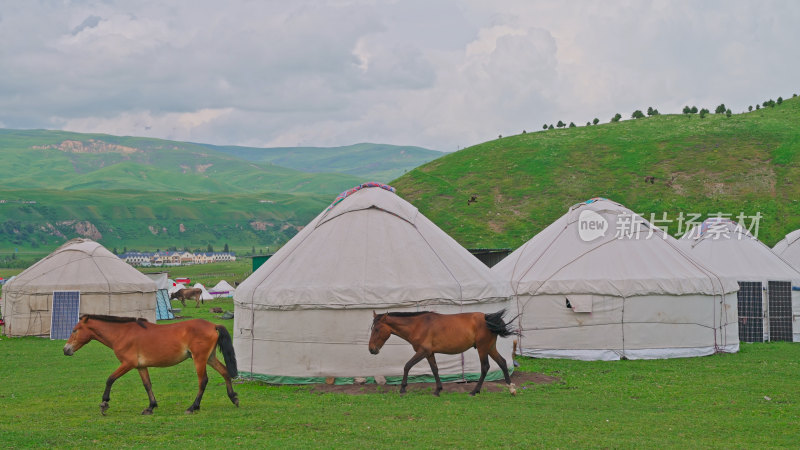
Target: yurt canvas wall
x,y
82,270
768,307
306,313
600,283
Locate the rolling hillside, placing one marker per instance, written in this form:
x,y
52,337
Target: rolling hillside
x,y
36,221
71,161
376,162
746,163
149,193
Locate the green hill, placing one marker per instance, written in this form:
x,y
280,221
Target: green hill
x,y
370,162
744,163
39,220
63,160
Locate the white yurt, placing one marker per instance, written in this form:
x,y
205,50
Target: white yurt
x,y
305,314
80,277
767,306
222,289
788,248
601,283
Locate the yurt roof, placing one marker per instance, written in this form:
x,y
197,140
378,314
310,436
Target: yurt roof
x,y
789,249
369,249
732,251
80,265
622,254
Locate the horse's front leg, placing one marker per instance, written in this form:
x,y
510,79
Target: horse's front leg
x,y
149,388
202,380
121,370
435,370
411,362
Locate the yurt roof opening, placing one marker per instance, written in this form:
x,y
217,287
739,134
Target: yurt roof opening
x,y
766,301
305,314
80,277
601,282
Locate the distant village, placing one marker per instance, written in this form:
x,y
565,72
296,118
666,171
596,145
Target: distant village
x,y
175,258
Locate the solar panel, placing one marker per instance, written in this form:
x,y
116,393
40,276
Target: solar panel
x,y
780,310
751,317
66,313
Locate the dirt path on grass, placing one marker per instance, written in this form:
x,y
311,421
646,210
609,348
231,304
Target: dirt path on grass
x,y
520,379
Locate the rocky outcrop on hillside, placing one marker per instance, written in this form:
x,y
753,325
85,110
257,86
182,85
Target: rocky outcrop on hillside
x,y
90,146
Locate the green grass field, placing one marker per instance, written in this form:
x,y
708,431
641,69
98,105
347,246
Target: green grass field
x,y
746,163
742,400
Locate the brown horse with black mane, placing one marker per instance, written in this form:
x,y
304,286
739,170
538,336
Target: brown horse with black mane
x,y
139,344
430,332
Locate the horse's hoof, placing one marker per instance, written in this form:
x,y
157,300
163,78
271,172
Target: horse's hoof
x,y
190,411
436,393
147,412
103,408
472,394
512,389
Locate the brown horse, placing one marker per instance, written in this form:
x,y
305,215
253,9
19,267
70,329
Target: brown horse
x,y
430,333
139,344
195,294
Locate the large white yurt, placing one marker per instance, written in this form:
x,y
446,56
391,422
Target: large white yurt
x,y
766,303
788,248
305,314
601,283
80,277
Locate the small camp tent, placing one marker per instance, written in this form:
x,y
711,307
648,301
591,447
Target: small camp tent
x,y
163,305
788,248
601,283
765,297
205,295
222,289
305,314
80,277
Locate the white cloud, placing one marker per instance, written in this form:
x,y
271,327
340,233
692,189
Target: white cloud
x,y
442,74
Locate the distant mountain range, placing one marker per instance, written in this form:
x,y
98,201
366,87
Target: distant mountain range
x,y
149,193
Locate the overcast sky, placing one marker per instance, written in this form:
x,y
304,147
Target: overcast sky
x,y
434,73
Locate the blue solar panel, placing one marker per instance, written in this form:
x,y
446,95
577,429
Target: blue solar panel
x,y
66,312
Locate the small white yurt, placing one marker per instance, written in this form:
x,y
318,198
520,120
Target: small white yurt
x,y
601,283
766,303
788,248
222,289
305,314
80,277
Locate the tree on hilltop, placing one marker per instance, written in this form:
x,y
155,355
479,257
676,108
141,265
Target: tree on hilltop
x,y
720,109
638,114
595,121
616,117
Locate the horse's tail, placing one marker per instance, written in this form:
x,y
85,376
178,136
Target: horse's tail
x,y
225,344
496,325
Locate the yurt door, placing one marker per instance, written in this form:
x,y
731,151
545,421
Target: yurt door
x,y
751,315
66,313
780,310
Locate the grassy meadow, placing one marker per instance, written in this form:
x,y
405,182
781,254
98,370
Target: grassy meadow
x,y
740,400
746,163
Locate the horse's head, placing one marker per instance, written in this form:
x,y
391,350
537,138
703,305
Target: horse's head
x,y
81,334
380,333
173,296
